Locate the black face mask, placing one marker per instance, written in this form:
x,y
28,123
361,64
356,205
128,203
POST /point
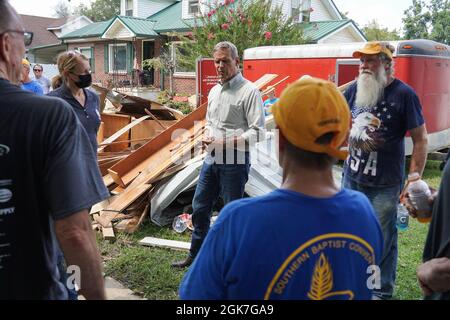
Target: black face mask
x,y
84,80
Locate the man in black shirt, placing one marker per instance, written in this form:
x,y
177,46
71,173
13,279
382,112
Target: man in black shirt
x,y
48,180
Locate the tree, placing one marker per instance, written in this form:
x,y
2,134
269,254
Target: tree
x,y
245,23
374,31
428,21
62,9
100,10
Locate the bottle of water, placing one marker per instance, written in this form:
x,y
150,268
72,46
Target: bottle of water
x,y
419,192
402,217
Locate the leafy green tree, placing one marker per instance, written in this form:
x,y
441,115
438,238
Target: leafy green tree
x,y
247,24
100,10
374,31
430,21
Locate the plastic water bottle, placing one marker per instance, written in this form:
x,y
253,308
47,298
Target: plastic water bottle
x,y
402,217
182,222
419,192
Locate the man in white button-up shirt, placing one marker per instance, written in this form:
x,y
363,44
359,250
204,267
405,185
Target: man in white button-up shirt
x,y
235,120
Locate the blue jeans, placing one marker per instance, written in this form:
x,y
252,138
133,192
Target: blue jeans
x,y
225,180
384,201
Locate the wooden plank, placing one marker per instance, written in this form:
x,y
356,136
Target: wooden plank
x,y
100,132
108,180
113,123
123,201
148,130
129,168
265,80
108,233
120,133
155,168
266,91
163,243
102,205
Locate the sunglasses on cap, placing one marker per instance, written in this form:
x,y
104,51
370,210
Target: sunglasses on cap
x,y
27,36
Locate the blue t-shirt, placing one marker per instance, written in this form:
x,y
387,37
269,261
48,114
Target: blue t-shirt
x,y
267,104
89,114
48,171
376,141
33,86
286,245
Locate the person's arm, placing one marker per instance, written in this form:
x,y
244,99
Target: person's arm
x,y
434,275
78,244
254,113
419,154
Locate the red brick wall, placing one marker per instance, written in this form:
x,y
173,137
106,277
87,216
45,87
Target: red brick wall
x,y
182,85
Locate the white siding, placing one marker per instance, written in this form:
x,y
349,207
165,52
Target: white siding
x,y
146,8
73,25
122,7
320,12
117,31
285,6
343,36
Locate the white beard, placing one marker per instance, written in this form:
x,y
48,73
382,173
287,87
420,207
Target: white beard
x,y
370,88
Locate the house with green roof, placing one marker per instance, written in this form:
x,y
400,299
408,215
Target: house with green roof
x,y
118,46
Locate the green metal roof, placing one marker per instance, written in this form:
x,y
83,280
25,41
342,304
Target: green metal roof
x,y
140,27
91,30
317,30
169,19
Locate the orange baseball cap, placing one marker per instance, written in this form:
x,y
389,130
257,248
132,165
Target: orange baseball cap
x,y
374,47
310,108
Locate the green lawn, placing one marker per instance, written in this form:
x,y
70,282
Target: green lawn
x,y
147,270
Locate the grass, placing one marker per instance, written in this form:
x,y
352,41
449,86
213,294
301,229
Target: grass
x,y
147,270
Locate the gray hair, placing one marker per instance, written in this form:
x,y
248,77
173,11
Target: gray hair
x,y
385,59
227,45
8,17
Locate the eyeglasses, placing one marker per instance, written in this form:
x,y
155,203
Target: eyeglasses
x,y
37,70
27,36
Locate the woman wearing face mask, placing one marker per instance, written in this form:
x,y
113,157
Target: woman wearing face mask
x,y
74,77
71,85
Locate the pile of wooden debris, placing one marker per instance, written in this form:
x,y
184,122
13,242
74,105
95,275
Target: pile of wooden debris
x,y
145,142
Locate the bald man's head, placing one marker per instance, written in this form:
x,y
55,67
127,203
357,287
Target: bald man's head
x,y
12,47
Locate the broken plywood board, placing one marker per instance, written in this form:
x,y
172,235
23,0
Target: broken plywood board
x,y
108,233
102,205
129,168
163,243
123,201
147,130
108,180
264,80
113,123
120,133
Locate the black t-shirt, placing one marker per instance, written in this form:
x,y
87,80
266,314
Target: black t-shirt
x,y
47,171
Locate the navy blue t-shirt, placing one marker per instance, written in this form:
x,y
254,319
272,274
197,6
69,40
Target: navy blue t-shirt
x,y
376,141
48,171
286,245
89,114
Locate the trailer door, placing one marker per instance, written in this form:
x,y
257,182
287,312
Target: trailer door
x,y
346,70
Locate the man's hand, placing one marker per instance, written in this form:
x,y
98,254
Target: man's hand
x,y
409,206
434,275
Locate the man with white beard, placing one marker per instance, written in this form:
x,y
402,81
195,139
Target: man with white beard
x,y
383,110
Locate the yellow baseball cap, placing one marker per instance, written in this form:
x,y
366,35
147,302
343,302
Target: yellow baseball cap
x,y
374,47
25,62
310,108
